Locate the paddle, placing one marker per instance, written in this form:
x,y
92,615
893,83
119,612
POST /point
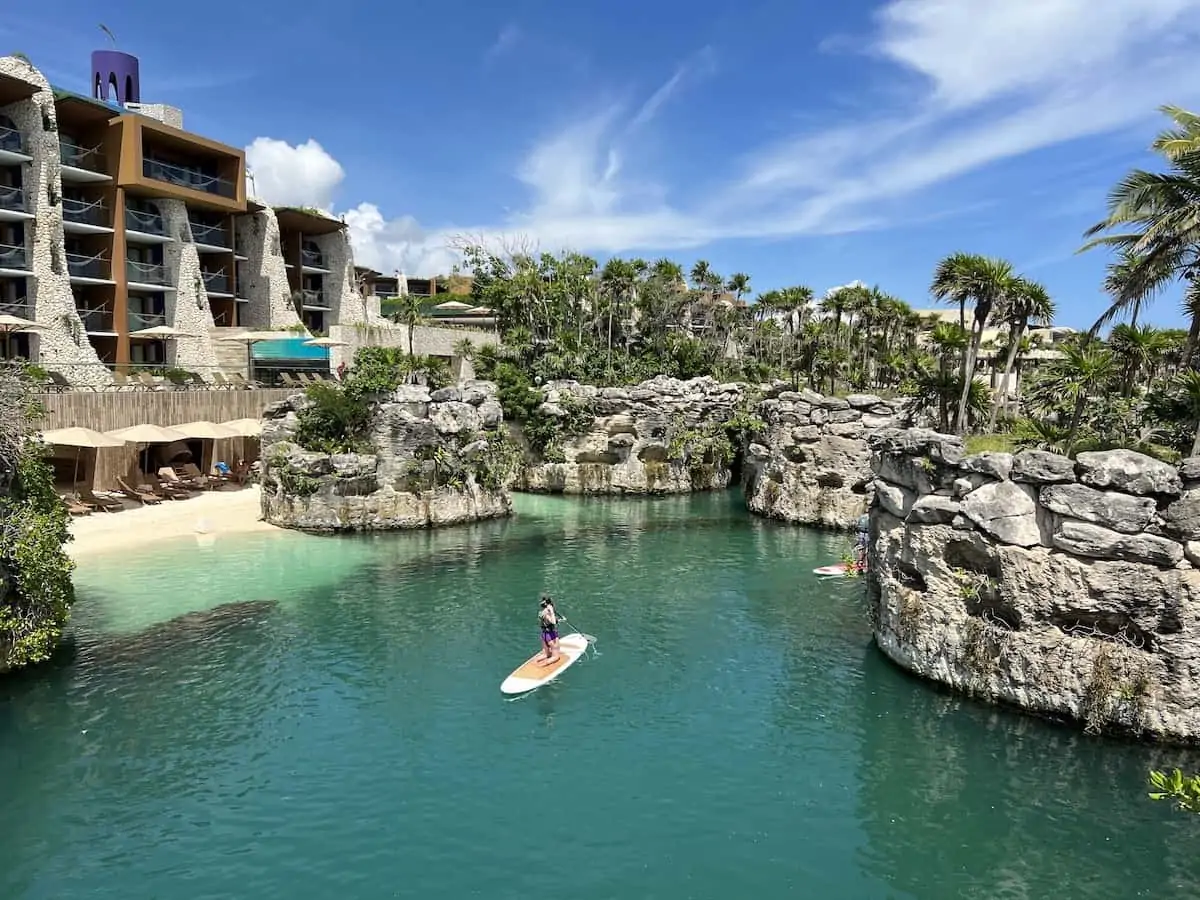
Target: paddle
x,y
591,639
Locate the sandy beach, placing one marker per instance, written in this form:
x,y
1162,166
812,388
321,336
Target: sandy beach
x,y
214,512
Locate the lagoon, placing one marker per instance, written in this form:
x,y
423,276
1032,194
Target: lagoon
x,y
281,715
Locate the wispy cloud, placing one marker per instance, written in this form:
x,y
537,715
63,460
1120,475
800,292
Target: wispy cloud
x,y
508,37
982,83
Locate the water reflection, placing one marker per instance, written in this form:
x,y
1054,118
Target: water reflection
x,y
963,801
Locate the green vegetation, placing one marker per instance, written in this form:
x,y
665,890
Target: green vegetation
x,y
338,419
1182,791
36,593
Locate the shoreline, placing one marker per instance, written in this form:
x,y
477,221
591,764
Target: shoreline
x,y
216,513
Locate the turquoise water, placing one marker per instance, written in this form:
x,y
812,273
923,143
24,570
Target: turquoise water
x,y
300,717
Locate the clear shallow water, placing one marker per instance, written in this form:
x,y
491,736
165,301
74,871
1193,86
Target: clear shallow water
x,y
299,717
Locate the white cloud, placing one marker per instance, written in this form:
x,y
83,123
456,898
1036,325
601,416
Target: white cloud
x,y
507,39
995,79
283,175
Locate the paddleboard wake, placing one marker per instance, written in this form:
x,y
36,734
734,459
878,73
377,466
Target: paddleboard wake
x,y
530,675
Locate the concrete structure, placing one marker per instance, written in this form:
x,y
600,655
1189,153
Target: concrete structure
x,y
114,220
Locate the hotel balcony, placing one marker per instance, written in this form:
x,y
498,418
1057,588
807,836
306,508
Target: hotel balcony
x,y
210,238
12,204
97,321
216,284
84,269
139,321
14,262
143,227
188,177
147,276
81,164
313,262
21,308
313,300
85,216
12,147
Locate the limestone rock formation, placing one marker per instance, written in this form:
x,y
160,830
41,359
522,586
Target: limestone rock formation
x,y
663,436
1063,587
810,463
434,459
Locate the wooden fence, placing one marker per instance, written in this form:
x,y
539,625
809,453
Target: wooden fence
x,y
110,410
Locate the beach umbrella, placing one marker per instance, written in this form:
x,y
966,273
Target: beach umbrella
x,y
205,431
80,438
147,434
453,305
325,342
9,325
164,332
245,427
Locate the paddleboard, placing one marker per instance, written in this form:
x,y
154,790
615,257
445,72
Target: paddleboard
x,y
530,675
836,571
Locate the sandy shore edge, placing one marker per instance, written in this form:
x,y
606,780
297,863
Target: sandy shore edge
x,y
214,512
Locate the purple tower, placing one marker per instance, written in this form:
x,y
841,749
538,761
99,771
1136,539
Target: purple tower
x,y
115,77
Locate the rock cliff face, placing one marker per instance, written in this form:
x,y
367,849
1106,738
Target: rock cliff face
x,y
663,436
809,463
436,459
1063,587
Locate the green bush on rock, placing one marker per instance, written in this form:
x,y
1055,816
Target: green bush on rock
x,y
36,593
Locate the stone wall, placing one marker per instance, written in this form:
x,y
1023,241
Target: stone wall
x,y
62,340
346,305
434,459
267,289
659,437
1065,587
187,307
810,464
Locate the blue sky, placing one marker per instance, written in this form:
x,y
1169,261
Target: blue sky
x,y
800,142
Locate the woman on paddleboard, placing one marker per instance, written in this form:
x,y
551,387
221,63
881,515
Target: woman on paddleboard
x,y
548,621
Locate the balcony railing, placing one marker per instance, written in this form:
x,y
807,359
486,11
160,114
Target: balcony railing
x,y
19,308
314,299
85,212
82,266
215,282
12,197
141,320
312,258
12,257
11,140
188,178
80,157
213,235
96,320
146,272
145,222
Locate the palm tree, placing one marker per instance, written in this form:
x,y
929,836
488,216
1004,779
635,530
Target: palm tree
x,y
1085,370
1157,219
409,312
1188,384
1137,347
986,281
738,284
1026,301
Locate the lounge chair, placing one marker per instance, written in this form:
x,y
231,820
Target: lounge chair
x,y
58,382
183,483
240,380
149,382
290,381
88,496
74,507
221,381
139,496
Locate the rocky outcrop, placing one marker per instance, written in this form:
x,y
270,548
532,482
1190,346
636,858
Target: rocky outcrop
x,y
808,461
430,459
1065,587
663,436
